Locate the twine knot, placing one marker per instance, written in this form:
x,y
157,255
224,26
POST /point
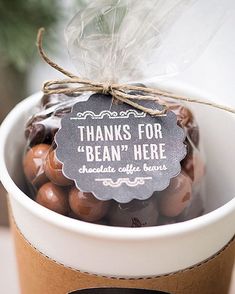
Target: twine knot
x,y
107,88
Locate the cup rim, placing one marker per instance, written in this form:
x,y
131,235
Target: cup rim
x,y
94,230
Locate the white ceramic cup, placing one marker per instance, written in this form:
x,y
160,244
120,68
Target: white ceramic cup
x,y
127,252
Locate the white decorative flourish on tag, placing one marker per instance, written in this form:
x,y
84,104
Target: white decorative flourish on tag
x,y
137,181
114,114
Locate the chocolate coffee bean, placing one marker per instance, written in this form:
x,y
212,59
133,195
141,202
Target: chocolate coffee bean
x,y
194,166
193,133
189,148
48,101
163,220
54,198
53,170
186,119
184,115
137,213
86,207
199,168
52,100
60,112
102,221
35,131
196,209
188,166
41,129
176,197
33,164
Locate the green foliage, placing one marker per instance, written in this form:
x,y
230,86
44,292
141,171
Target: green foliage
x,y
19,22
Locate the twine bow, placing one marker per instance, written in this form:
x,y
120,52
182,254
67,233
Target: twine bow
x,y
122,92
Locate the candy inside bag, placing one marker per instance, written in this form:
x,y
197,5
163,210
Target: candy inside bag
x,y
125,41
182,200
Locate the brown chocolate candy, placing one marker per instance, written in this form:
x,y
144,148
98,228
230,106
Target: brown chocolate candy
x,y
194,166
184,115
186,119
102,221
55,99
196,209
53,170
86,207
193,133
54,198
60,112
35,131
41,129
176,197
164,220
137,213
33,164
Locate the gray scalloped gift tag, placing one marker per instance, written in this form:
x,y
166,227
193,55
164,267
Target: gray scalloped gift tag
x,y
118,152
